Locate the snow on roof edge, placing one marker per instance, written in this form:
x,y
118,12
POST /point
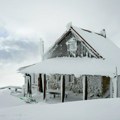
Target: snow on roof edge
x,y
75,66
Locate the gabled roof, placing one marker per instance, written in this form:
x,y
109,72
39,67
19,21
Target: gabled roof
x,y
85,42
101,46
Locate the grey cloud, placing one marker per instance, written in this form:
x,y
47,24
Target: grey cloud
x,y
3,32
18,50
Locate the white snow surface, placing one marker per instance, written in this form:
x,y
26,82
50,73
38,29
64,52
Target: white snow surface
x,y
104,109
7,100
12,108
77,66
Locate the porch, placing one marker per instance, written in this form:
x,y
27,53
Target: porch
x,y
62,88
66,68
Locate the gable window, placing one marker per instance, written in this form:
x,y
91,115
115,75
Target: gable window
x,y
72,45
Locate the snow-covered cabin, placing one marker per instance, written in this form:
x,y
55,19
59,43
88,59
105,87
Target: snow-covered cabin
x,y
80,62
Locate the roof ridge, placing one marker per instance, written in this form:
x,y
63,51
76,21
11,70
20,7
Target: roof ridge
x,y
90,31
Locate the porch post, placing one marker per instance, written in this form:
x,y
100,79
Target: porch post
x,y
62,88
115,95
85,88
29,84
44,89
111,88
116,84
40,86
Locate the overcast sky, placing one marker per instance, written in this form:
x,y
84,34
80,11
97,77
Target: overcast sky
x,y
24,22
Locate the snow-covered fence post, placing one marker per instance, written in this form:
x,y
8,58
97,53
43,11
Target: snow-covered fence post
x,y
85,87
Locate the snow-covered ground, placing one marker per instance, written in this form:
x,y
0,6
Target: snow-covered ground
x,y
8,100
12,108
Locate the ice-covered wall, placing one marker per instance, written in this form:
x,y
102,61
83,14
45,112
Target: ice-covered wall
x,y
95,84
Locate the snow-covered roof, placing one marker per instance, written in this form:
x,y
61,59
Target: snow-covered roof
x,y
89,66
105,47
75,66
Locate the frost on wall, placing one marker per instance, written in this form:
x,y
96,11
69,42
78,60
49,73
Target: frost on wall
x,y
54,81
97,86
74,84
94,86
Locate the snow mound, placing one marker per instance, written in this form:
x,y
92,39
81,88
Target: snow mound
x,y
7,100
104,109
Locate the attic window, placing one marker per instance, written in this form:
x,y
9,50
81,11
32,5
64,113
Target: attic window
x,y
72,45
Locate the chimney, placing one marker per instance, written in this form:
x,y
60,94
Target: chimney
x,y
42,49
103,33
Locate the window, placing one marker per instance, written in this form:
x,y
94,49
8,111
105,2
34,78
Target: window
x,y
72,45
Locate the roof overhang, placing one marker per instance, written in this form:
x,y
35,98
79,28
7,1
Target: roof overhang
x,y
76,66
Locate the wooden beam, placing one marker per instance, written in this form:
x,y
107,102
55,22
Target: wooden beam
x,y
111,88
85,88
44,92
116,82
29,84
115,94
62,88
40,86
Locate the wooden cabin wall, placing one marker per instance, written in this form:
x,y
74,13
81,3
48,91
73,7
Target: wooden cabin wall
x,y
60,50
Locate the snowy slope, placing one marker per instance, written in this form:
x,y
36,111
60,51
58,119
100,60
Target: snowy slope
x,y
12,108
104,109
7,100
